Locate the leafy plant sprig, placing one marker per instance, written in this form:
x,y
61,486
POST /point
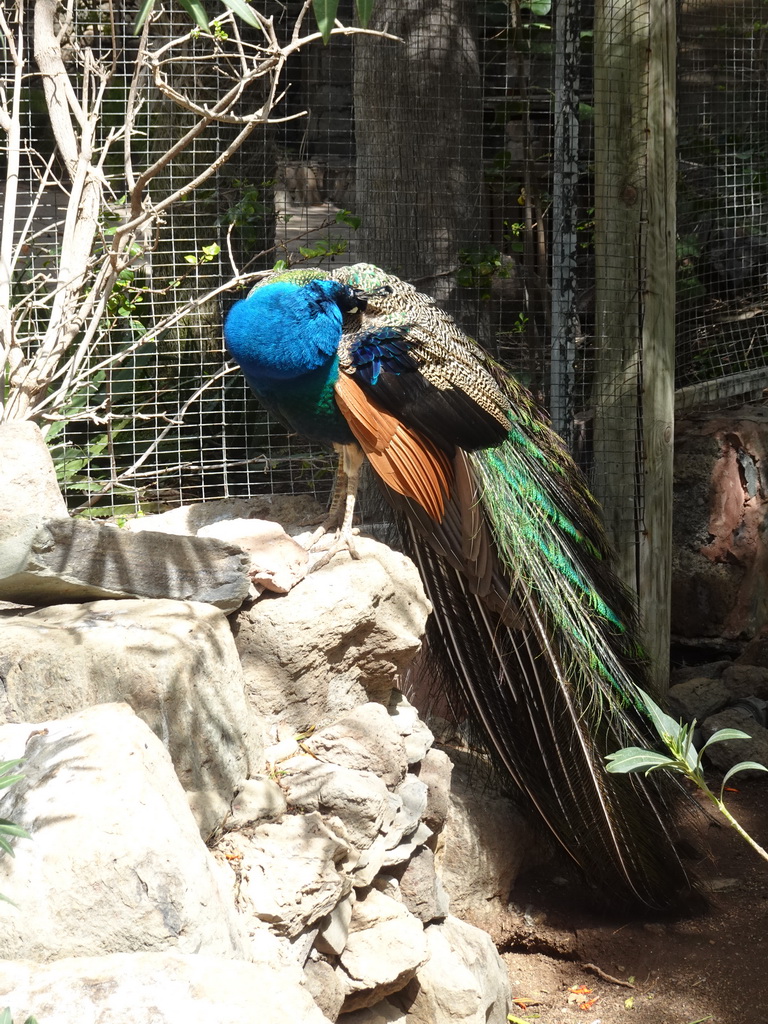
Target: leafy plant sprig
x,y
8,828
6,1018
684,758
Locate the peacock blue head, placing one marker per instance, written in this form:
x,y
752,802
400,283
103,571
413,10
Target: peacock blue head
x,y
285,329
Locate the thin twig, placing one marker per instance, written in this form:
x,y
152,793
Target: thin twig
x,y
607,977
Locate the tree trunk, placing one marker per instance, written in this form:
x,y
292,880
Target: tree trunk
x,y
418,133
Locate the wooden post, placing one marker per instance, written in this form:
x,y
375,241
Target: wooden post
x,y
633,393
658,337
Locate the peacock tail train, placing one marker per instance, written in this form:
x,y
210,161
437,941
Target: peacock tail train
x,y
530,626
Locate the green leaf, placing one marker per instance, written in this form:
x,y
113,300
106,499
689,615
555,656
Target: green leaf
x,y
8,828
5,1016
347,217
196,11
726,734
244,11
325,16
364,11
141,17
665,726
537,7
280,265
635,759
742,766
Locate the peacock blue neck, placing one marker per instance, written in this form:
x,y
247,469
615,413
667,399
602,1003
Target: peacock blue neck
x,y
307,403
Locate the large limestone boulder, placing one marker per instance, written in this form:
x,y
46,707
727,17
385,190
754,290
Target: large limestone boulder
x,y
158,988
464,980
339,639
115,862
174,662
76,560
29,490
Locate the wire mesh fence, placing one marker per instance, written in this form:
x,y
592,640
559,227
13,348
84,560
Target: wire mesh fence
x,y
722,201
473,156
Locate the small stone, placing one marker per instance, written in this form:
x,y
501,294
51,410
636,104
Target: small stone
x,y
385,948
258,799
324,987
334,927
365,739
417,736
277,562
745,680
435,770
420,888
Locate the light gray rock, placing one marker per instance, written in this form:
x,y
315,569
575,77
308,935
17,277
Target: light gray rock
x,y
295,511
174,662
115,862
291,873
76,560
481,849
28,486
435,771
259,799
158,988
385,948
464,980
384,1012
406,848
420,889
413,797
417,736
29,492
355,804
726,755
698,698
324,986
277,562
334,927
340,638
365,739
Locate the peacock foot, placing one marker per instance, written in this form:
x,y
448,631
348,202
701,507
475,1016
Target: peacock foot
x,y
326,545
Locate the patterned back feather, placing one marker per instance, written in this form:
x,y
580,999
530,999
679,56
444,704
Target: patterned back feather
x,y
531,626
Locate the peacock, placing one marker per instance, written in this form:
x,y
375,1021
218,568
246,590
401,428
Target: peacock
x,y
531,628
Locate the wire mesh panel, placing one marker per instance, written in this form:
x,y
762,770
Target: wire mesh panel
x,y
722,201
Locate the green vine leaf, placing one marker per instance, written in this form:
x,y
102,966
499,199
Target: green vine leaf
x,y
364,11
325,16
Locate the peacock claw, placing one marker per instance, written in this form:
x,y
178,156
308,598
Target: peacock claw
x,y
339,518
344,540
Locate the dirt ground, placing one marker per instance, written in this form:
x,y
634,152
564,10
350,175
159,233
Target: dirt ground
x,y
712,967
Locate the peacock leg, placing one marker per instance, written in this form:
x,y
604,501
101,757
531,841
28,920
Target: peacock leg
x,y
342,510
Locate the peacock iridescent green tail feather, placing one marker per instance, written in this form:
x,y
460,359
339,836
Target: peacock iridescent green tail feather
x,y
541,644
